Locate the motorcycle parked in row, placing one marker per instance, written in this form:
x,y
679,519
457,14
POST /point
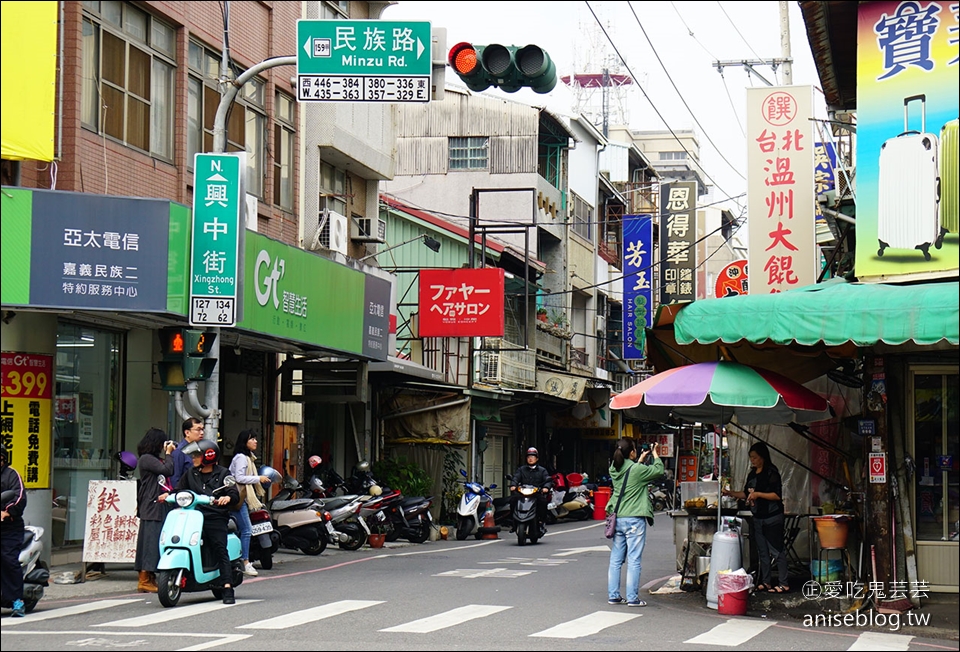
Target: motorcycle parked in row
x,y
299,521
36,573
185,564
525,517
570,499
474,502
661,495
264,539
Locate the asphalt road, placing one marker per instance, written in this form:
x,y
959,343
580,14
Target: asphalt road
x,y
439,595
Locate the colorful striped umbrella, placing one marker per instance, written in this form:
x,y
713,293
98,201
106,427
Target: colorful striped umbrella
x,y
715,392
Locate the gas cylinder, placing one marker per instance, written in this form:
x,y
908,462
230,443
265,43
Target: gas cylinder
x,y
724,555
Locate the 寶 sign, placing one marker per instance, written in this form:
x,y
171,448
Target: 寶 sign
x,y
363,61
780,188
461,302
216,239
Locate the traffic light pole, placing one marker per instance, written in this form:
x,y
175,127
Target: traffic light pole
x,y
229,91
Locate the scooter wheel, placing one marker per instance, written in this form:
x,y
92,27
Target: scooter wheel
x,y
266,561
421,535
463,529
393,533
355,542
168,591
315,548
521,534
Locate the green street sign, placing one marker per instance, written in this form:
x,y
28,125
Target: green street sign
x,y
363,61
216,239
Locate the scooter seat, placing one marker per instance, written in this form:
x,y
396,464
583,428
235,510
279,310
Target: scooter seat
x,y
331,504
407,502
288,505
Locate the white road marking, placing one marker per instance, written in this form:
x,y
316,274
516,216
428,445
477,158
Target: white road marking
x,y
881,641
447,619
576,551
311,615
217,639
474,573
732,633
162,616
86,607
587,625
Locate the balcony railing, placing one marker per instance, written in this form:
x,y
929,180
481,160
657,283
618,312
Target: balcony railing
x,y
551,348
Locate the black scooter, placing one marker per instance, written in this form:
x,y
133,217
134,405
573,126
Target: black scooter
x,y
525,517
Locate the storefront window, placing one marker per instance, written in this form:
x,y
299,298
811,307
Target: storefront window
x,y
86,416
937,480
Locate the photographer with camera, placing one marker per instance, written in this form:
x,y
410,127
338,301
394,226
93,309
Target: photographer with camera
x,y
630,501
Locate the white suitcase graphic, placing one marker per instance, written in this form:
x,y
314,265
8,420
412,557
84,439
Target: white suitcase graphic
x,y
908,210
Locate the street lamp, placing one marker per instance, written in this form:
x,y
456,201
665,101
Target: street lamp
x,y
433,245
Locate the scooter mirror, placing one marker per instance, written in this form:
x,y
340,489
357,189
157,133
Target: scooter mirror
x,y
228,481
493,486
463,473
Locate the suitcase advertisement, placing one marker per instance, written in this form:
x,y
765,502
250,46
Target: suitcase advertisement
x,y
908,84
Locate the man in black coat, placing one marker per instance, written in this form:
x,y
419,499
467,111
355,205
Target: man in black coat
x,y
206,477
533,474
11,534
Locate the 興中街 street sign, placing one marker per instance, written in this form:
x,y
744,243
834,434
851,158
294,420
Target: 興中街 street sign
x,y
216,239
363,61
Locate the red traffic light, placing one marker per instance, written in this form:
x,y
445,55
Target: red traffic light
x,y
463,58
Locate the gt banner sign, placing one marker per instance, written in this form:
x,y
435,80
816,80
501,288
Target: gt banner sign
x,y
461,302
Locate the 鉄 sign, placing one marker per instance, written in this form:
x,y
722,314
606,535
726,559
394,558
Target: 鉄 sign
x,y
217,236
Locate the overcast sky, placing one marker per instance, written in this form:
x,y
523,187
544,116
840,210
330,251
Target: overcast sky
x,y
688,37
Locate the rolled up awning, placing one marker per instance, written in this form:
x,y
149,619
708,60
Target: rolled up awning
x,y
833,313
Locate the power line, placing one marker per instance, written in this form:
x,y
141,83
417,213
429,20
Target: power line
x,y
738,31
682,99
652,105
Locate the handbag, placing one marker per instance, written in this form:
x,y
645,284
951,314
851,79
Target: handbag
x,y
610,528
242,489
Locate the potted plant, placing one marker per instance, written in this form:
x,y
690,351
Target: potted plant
x,y
542,315
378,535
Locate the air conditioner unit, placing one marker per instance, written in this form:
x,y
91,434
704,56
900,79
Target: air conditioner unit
x,y
332,234
368,229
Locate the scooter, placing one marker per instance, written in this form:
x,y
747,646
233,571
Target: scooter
x,y
473,504
570,498
525,516
264,540
299,521
411,518
36,573
185,564
343,524
661,495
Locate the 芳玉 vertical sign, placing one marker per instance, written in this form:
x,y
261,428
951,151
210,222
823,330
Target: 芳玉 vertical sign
x,y
637,288
216,239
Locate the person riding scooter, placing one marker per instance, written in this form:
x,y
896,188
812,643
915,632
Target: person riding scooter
x,y
204,478
533,474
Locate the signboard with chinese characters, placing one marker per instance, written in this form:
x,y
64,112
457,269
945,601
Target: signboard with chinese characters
x,y
111,526
732,280
461,302
878,468
26,401
637,288
348,312
908,99
824,180
217,236
363,61
678,235
687,468
780,189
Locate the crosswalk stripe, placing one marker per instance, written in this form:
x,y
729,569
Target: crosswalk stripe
x,y
732,633
881,641
310,615
587,625
86,607
161,616
447,619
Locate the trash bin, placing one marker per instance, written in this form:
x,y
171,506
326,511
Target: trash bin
x,y
733,590
601,496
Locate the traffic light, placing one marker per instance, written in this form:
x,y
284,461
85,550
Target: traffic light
x,y
506,67
184,357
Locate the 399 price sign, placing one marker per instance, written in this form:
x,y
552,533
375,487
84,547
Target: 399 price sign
x,y
26,393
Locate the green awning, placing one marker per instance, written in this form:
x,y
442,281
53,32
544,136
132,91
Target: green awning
x,y
831,313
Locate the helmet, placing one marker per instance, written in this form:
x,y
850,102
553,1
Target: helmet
x,y
127,459
363,466
315,461
271,473
207,448
533,451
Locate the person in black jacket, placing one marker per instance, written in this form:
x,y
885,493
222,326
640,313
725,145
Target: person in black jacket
x,y
204,478
533,474
11,534
155,461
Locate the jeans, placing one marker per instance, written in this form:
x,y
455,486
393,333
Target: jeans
x,y
768,533
628,542
242,518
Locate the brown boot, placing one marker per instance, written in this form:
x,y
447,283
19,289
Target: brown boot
x,y
147,582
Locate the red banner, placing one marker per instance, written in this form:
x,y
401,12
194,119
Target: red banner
x,y
461,302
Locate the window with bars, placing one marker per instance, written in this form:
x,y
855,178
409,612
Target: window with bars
x,y
333,188
672,156
283,151
468,153
246,125
128,63
581,217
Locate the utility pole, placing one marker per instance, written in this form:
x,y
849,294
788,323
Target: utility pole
x,y
786,59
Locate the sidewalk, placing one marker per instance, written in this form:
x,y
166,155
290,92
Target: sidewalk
x,y
942,609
